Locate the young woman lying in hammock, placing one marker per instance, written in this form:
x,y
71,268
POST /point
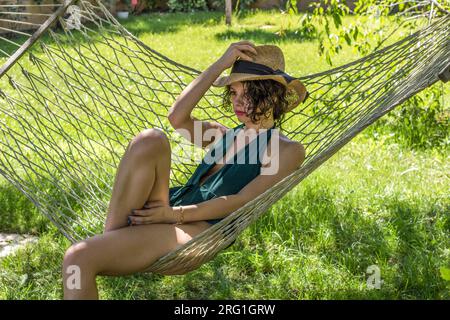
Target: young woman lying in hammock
x,y
146,220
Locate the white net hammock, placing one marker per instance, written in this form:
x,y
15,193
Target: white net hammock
x,y
70,103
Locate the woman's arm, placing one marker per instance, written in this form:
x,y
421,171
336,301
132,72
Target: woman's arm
x,y
216,208
180,112
159,212
291,159
182,108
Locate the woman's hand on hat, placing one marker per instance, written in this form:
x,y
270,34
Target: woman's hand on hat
x,y
239,50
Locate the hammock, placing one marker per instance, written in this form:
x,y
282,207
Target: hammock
x,y
68,109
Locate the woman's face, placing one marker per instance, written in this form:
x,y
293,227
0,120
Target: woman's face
x,y
240,107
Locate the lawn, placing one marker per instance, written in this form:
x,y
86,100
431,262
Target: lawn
x,y
375,203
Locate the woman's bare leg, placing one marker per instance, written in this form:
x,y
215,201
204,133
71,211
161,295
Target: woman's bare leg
x,y
121,252
143,175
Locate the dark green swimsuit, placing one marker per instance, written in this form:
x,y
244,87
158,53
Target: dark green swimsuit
x,y
230,178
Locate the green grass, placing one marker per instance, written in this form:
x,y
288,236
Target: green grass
x,y
375,202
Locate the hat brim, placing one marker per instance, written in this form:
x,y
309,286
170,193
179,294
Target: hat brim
x,y
296,89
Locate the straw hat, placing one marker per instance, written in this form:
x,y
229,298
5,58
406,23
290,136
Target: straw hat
x,y
267,64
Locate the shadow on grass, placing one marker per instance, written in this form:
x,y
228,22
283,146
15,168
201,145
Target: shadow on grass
x,y
403,241
17,213
420,240
405,247
206,282
132,287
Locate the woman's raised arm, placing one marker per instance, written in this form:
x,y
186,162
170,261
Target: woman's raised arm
x,y
180,112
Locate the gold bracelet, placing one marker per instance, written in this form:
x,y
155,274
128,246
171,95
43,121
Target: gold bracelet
x,y
181,218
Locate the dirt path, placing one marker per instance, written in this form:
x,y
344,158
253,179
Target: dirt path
x,y
10,242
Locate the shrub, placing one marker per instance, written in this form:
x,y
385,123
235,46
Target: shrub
x,y
421,122
187,5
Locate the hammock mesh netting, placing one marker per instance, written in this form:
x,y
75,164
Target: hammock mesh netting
x,y
70,104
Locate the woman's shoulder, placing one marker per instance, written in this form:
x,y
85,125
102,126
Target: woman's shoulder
x,y
285,150
287,144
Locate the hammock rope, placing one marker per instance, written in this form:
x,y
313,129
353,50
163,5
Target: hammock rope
x,y
70,105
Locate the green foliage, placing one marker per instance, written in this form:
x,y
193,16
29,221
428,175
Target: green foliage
x,y
152,4
187,5
368,32
243,4
239,5
218,5
291,6
445,273
127,3
18,213
421,122
331,40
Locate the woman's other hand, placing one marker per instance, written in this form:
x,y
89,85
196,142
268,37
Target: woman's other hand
x,y
152,212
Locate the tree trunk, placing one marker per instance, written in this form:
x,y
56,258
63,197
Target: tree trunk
x,y
228,12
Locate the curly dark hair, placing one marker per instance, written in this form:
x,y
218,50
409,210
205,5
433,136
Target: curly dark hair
x,y
267,94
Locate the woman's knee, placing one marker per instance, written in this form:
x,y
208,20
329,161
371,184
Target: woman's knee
x,y
147,141
78,256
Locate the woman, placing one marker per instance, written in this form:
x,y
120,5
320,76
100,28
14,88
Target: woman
x,y
146,220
